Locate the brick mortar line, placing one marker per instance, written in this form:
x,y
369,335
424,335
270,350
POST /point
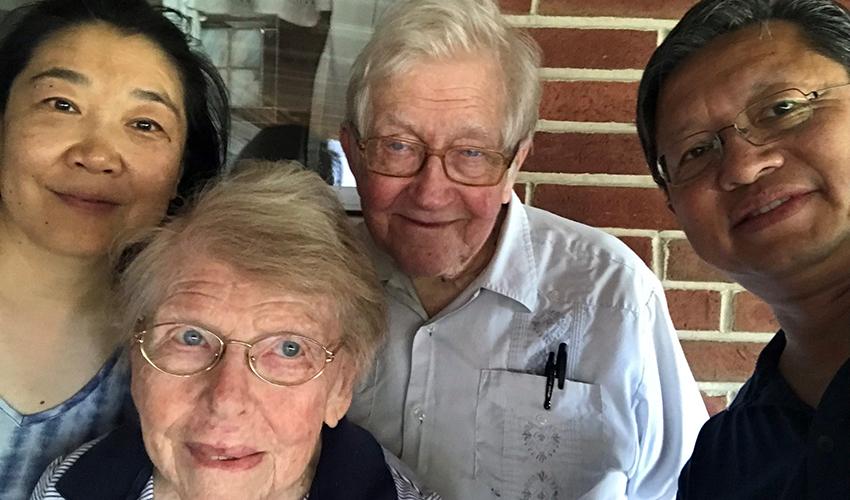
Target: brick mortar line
x,y
662,34
721,388
529,188
529,193
589,180
584,22
672,234
659,266
559,126
590,75
711,286
727,310
667,234
663,258
623,231
715,336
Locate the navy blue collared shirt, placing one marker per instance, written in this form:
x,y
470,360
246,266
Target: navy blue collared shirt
x,y
770,445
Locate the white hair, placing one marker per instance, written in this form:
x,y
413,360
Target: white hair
x,y
278,225
415,30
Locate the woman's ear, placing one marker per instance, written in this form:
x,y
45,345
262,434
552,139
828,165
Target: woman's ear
x,y
340,392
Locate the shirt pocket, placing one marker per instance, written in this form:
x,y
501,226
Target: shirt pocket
x,y
526,452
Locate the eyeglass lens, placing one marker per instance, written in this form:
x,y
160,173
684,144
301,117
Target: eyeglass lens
x,y
181,349
762,122
465,164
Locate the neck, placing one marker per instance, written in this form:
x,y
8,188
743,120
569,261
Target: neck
x,y
37,282
816,322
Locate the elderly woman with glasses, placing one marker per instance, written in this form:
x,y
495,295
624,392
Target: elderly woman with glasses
x,y
253,314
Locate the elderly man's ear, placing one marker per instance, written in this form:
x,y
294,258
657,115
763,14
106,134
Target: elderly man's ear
x,y
519,158
348,139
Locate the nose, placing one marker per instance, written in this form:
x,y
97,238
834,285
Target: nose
x,y
431,188
95,153
228,391
743,163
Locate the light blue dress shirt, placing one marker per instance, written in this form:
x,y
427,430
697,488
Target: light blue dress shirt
x,y
459,396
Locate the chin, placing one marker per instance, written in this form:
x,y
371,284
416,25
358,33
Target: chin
x,y
428,269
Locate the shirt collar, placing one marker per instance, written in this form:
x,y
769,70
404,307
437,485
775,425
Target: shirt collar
x,y
512,271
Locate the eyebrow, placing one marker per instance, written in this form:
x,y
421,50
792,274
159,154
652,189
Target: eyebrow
x,y
473,132
62,74
152,96
78,78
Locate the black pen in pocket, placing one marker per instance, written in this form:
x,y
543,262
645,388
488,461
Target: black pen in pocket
x,y
556,367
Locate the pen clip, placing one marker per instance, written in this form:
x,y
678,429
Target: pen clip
x,y
550,381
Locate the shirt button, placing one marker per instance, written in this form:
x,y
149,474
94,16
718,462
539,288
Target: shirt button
x,y
825,444
419,414
541,420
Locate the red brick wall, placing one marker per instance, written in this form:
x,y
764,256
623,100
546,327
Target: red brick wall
x,y
587,165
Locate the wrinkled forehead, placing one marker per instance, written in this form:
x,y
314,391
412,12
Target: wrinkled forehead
x,y
469,84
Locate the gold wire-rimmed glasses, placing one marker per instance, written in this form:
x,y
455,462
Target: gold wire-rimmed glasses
x,y
282,359
468,165
762,122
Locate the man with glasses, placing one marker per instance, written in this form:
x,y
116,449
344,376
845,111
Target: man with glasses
x,y
488,296
744,115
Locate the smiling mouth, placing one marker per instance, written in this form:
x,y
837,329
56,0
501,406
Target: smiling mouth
x,y
86,203
767,208
422,223
772,213
223,459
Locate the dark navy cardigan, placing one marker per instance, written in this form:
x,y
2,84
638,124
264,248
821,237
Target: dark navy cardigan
x,y
351,467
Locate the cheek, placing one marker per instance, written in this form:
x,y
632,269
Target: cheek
x,y
482,204
154,184
701,216
295,416
380,194
22,158
161,402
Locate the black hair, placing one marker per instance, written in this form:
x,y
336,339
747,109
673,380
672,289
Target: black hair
x,y
205,95
824,23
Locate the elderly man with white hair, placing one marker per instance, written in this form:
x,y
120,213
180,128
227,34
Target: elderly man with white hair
x,y
529,356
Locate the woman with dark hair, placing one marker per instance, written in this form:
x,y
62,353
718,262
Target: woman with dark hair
x,y
106,118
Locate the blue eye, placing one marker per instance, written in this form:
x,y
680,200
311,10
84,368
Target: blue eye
x,y
290,348
397,147
192,338
472,153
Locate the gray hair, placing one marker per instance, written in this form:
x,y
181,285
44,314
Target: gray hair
x,y
278,225
413,30
824,23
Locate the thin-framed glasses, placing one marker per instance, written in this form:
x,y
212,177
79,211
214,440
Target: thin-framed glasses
x,y
469,165
762,122
183,350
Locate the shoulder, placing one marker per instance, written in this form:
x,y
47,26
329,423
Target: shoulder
x,y
584,263
406,486
46,487
723,444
